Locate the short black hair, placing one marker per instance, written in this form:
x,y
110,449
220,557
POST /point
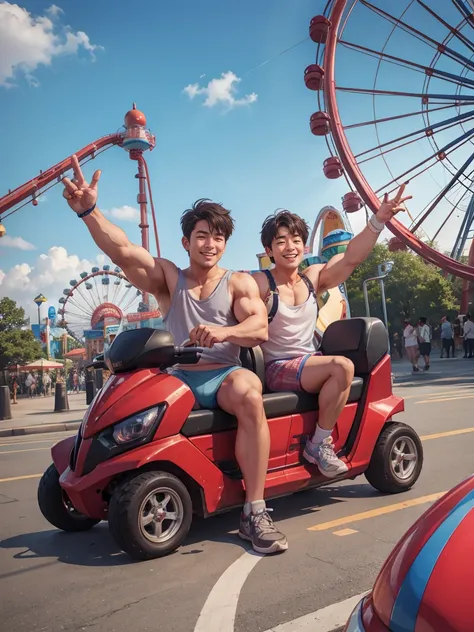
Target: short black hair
x,y
218,218
294,223
423,320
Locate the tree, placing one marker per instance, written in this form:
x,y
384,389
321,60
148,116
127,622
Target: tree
x,y
17,346
414,288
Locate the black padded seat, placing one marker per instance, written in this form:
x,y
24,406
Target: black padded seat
x,y
362,340
205,421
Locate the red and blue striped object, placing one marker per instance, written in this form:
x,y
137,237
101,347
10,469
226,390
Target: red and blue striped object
x,y
427,583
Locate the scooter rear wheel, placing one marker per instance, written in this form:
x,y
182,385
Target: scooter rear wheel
x,y
397,459
56,506
150,515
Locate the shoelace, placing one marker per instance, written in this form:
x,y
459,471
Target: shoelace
x,y
263,521
327,450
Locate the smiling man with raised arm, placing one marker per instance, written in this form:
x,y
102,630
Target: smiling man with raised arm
x,y
291,361
215,308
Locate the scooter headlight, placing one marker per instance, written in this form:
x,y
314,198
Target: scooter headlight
x,y
128,434
135,427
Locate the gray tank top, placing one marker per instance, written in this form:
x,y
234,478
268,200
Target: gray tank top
x,y
187,312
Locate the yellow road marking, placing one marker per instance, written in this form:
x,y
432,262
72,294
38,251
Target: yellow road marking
x,y
343,532
373,513
27,450
445,399
448,433
19,478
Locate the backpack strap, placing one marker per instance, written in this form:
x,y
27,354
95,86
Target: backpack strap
x,y
308,283
274,291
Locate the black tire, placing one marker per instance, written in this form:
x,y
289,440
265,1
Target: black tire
x,y
380,472
52,502
125,515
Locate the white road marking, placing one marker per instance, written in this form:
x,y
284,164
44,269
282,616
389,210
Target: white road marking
x,y
323,620
218,613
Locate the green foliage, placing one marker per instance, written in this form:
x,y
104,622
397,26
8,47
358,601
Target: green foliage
x,y
72,343
413,288
17,346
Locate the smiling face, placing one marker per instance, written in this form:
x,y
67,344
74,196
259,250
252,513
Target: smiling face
x,y
284,236
287,249
205,245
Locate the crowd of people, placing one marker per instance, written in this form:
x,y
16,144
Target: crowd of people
x,y
43,383
417,339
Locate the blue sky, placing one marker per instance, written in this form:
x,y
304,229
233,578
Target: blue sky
x,y
253,158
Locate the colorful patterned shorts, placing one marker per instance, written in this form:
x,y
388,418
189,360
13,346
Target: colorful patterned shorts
x,y
285,375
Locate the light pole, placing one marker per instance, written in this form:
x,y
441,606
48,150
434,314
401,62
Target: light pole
x,y
383,269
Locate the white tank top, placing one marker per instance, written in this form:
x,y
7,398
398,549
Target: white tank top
x,y
291,330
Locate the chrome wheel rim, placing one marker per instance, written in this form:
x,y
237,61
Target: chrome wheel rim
x,y
403,458
161,515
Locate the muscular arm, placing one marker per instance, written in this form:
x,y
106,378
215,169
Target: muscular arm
x,y
340,267
138,265
250,311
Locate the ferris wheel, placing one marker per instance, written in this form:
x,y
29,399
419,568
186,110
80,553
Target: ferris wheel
x,y
96,295
394,83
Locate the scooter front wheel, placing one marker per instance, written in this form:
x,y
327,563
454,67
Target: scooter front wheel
x,y
56,506
150,515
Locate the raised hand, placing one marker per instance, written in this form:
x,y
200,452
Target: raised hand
x,y
389,208
80,195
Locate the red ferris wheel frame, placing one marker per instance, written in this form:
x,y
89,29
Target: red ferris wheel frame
x,y
352,169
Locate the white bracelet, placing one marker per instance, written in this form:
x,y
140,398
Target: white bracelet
x,y
375,226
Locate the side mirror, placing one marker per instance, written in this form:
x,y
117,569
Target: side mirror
x,y
97,363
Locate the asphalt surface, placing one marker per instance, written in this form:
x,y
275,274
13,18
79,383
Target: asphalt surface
x,y
69,582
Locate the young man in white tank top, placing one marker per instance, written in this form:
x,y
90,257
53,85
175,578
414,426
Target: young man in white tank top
x,y
291,360
218,379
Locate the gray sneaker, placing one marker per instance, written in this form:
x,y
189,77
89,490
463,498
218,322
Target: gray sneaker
x,y
259,529
323,455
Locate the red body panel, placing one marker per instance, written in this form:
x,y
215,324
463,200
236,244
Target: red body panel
x,y
369,618
381,405
61,452
220,446
129,393
390,579
85,492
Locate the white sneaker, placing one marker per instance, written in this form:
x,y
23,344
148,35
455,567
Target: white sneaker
x,y
323,455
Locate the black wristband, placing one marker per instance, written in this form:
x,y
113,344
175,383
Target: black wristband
x,y
85,213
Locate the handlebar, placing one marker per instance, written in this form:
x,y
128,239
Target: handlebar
x,y
187,355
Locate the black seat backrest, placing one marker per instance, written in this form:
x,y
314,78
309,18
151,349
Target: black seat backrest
x,y
362,340
252,359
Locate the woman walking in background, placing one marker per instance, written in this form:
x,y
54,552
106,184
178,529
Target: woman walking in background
x,y
411,343
469,336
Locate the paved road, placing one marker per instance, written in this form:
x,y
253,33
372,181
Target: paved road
x,y
67,582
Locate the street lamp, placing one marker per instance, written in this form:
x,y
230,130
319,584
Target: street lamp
x,y
383,269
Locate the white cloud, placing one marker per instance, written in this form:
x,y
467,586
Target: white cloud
x,y
28,42
54,11
16,242
220,91
48,275
124,213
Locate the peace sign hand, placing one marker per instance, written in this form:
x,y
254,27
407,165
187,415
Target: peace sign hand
x,y
80,195
389,208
